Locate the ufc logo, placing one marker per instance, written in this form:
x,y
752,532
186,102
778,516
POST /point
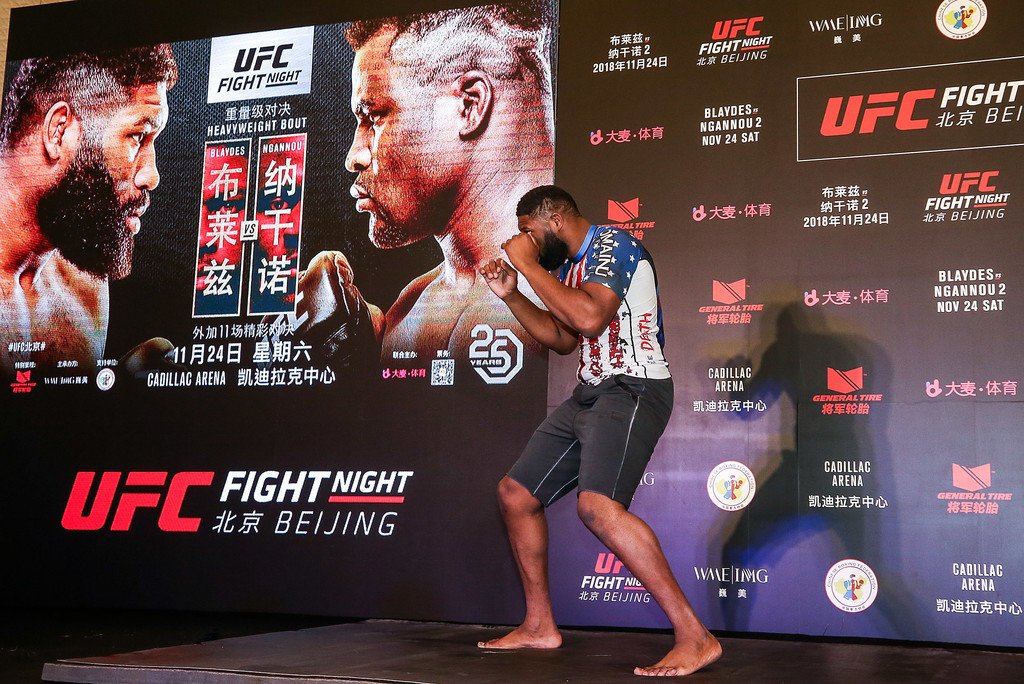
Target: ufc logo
x,y
607,563
129,501
252,59
959,183
732,27
878,106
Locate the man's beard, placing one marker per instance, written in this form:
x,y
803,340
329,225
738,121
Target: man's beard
x,y
83,217
383,232
553,251
401,217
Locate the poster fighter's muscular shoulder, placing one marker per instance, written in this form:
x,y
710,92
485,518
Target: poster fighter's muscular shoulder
x,y
422,318
59,304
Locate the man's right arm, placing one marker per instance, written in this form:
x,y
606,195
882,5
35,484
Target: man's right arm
x,y
545,328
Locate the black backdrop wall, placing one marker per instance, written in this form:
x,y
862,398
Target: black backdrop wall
x,y
829,192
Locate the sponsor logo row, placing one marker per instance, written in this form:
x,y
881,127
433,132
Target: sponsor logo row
x,y
731,486
733,40
959,196
849,584
496,355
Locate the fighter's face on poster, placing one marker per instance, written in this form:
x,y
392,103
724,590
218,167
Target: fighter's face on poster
x,y
94,211
400,149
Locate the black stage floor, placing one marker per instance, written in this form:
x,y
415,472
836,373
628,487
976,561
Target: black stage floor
x,y
305,649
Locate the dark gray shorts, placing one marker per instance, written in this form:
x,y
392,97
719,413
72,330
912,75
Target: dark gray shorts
x,y
601,439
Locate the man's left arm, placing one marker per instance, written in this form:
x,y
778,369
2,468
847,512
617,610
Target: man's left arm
x,y
588,309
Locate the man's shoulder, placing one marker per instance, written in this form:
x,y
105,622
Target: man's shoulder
x,y
606,230
411,292
614,249
612,238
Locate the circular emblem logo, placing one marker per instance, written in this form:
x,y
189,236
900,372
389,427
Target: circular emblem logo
x,y
851,586
105,379
961,19
731,486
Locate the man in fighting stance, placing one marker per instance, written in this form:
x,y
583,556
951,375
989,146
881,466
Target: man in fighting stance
x,y
605,301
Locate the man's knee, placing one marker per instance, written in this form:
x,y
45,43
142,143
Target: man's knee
x,y
515,499
595,510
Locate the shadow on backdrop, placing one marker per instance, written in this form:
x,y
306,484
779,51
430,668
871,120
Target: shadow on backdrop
x,y
800,345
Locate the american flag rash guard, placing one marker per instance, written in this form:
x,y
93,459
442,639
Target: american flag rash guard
x,y
634,341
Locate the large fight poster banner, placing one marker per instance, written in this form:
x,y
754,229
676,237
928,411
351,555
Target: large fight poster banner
x,y
830,193
247,360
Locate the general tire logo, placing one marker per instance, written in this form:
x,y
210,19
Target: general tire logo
x,y
731,486
496,355
851,585
846,381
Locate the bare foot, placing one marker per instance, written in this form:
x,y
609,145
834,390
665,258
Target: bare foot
x,y
522,637
685,658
